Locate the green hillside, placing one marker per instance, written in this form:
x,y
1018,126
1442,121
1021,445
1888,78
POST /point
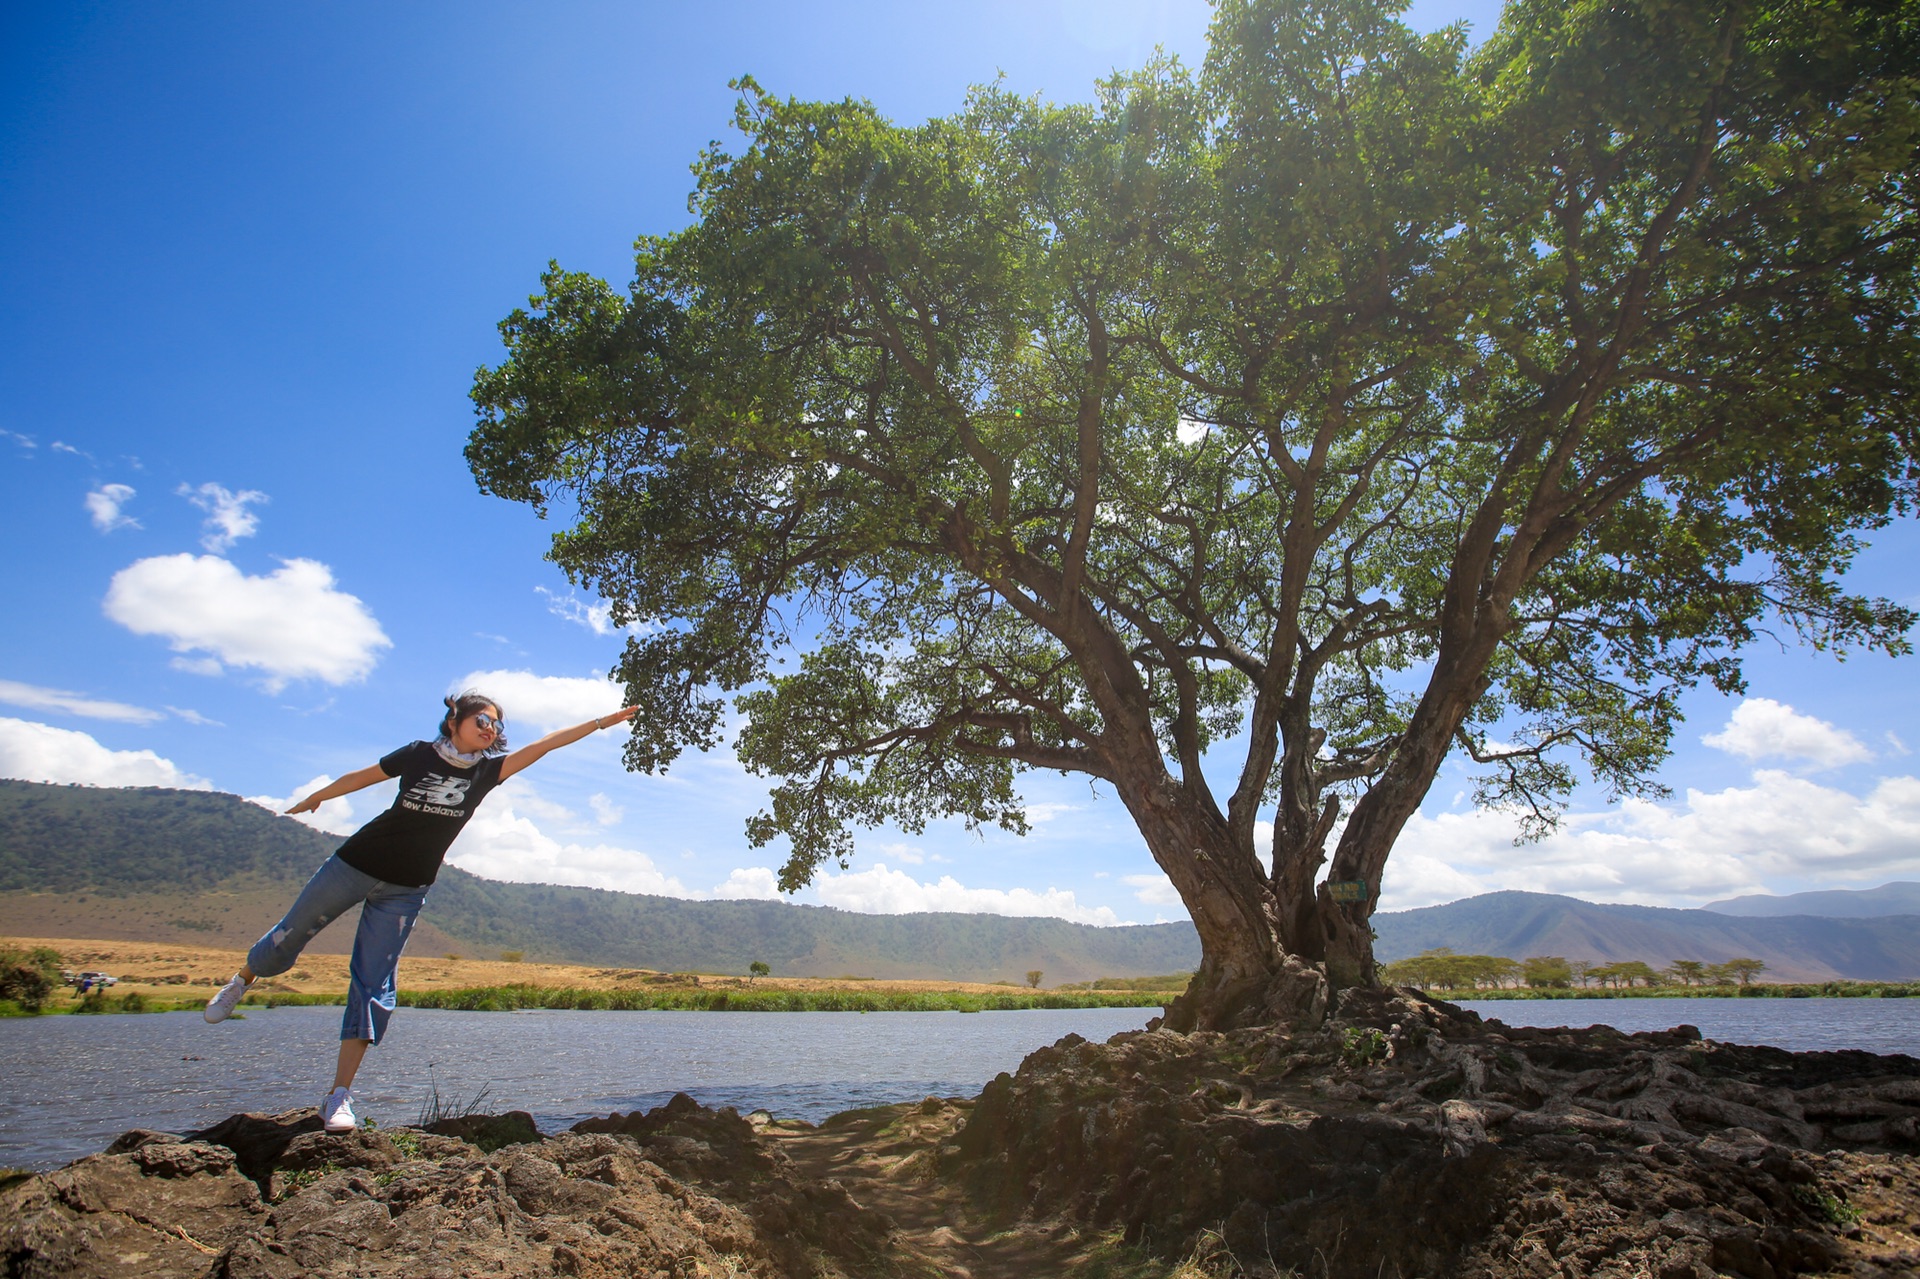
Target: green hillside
x,y
201,867
135,843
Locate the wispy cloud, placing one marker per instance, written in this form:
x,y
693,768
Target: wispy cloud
x,y
34,697
106,505
597,618
228,519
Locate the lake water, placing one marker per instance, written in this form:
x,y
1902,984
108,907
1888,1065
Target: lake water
x,y
1798,1025
73,1084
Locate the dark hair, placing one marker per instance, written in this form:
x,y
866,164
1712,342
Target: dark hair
x,y
467,704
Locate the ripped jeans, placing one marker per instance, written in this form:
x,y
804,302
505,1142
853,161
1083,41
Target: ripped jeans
x,y
387,915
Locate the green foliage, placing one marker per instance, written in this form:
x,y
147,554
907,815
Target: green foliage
x,y
1441,969
1830,1207
1363,1046
759,968
28,977
1546,972
1033,977
1737,970
1357,396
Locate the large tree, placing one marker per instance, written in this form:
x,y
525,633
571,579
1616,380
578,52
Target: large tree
x,y
1353,404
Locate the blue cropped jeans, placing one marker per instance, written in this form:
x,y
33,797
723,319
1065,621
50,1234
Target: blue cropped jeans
x,y
387,915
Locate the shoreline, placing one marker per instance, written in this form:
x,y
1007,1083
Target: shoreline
x,y
515,998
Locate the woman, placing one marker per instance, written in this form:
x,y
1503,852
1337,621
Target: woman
x,y
387,866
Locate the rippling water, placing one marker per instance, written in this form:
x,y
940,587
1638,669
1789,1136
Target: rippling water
x,y
1798,1025
75,1083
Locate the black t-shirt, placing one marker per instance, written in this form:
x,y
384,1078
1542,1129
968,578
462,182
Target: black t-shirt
x,y
407,843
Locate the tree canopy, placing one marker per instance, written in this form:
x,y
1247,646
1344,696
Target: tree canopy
x,y
1353,402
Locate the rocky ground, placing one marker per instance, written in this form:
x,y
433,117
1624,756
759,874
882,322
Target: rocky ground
x,y
1405,1138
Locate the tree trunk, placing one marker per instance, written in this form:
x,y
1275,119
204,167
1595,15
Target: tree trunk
x,y
1248,976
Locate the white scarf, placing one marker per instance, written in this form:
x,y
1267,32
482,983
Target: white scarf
x,y
445,749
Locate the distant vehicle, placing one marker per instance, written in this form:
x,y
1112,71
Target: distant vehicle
x,y
95,979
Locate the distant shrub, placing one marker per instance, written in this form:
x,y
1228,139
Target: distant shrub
x,y
27,977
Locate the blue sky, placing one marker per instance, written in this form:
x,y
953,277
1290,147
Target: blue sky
x,y
251,256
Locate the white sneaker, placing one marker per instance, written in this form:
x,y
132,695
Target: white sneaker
x,y
336,1112
226,999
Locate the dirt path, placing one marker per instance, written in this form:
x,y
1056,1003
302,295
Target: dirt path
x,y
885,1159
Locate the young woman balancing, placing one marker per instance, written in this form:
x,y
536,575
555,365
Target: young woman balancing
x,y
387,866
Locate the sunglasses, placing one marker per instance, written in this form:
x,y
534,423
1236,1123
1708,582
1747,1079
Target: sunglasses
x,y
487,721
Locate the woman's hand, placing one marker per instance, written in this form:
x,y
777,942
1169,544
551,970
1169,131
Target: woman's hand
x,y
359,779
563,737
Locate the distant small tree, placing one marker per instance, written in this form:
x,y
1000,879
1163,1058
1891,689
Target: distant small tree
x,y
757,968
512,956
1634,970
27,977
1580,971
1688,972
1495,971
1741,970
1546,971
1033,977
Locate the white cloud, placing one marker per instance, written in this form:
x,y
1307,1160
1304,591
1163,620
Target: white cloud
x,y
336,816
907,853
1781,829
597,618
41,753
290,624
26,442
228,519
1155,889
543,702
105,505
753,883
501,844
194,717
881,891
605,811
36,698
1762,728
1039,813
1190,432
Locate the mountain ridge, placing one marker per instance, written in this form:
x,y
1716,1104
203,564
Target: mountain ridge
x,y
211,869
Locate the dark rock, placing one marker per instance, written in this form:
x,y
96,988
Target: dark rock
x,y
1406,1136
489,1132
161,1209
701,1195
258,1141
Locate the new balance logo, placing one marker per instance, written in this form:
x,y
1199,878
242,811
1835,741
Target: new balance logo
x,y
435,789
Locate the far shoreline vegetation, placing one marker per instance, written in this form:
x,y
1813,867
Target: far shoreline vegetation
x,y
31,985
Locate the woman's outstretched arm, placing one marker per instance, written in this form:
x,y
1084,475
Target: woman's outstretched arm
x,y
562,737
360,779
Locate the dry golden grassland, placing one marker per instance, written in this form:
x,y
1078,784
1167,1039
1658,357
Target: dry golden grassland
x,y
173,972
